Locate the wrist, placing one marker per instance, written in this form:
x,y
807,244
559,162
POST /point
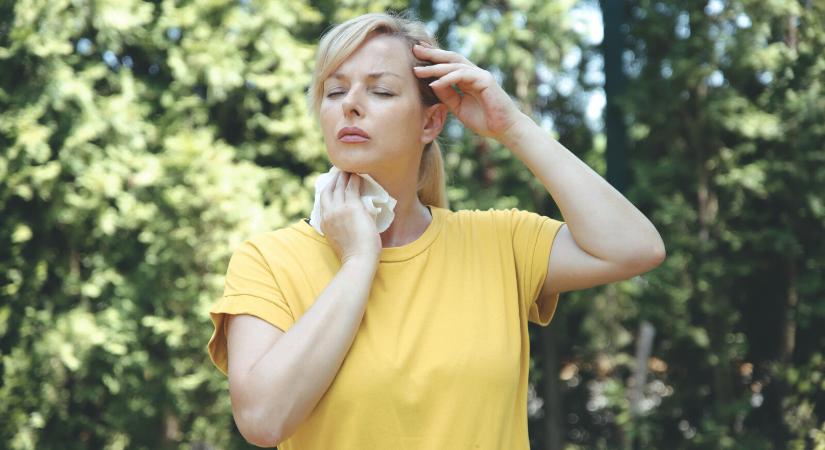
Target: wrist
x,y
514,135
362,261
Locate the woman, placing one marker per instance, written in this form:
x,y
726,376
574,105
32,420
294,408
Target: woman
x,y
415,337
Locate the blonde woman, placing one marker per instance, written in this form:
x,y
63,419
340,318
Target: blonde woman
x,y
415,337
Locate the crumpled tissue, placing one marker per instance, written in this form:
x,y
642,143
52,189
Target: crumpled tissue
x,y
376,200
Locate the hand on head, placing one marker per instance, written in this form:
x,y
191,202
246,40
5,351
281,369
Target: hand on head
x,y
482,105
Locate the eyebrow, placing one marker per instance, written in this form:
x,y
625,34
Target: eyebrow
x,y
369,75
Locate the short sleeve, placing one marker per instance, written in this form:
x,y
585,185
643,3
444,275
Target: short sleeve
x,y
250,288
533,237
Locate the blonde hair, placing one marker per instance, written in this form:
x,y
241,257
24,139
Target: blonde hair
x,y
338,43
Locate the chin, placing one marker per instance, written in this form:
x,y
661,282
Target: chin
x,y
349,164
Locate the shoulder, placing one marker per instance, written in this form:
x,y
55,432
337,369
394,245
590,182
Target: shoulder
x,y
467,217
513,222
270,238
482,224
280,242
475,214
292,233
494,216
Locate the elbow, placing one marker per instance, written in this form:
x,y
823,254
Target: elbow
x,y
257,430
645,258
653,256
260,423
659,251
263,442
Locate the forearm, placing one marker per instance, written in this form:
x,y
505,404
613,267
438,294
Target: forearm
x,y
293,375
602,221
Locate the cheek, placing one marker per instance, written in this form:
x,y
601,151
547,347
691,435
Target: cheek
x,y
327,121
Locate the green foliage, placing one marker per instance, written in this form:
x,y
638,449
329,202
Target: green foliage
x,y
725,123
133,135
514,43
143,141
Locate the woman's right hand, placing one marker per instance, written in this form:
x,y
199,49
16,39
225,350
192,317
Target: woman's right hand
x,y
346,224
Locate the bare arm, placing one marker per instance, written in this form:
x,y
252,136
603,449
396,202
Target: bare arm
x,y
606,238
277,378
601,220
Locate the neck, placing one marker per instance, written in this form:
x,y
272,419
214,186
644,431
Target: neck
x,y
411,216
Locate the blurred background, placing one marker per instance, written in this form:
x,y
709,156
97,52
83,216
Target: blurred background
x,y
141,142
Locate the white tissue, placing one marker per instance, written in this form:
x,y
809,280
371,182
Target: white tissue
x,y
376,200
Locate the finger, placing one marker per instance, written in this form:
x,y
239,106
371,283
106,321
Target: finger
x,y
437,70
447,95
340,184
354,188
466,79
438,55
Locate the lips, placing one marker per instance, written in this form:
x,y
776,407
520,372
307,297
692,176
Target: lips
x,y
352,133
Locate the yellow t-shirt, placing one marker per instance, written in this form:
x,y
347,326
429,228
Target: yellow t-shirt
x,y
440,359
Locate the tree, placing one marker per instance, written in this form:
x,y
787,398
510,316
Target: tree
x,y
142,142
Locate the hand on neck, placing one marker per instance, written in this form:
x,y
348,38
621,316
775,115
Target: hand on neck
x,y
411,216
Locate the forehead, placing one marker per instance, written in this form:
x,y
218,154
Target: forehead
x,y
380,56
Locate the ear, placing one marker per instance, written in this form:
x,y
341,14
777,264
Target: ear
x,y
434,118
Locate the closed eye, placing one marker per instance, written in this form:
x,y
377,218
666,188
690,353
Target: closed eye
x,y
383,94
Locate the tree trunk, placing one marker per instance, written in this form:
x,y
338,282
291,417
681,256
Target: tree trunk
x,y
551,391
789,317
614,82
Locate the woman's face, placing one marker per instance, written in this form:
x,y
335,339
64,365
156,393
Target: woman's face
x,y
375,90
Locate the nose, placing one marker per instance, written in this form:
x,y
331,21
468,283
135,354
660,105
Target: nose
x,y
351,104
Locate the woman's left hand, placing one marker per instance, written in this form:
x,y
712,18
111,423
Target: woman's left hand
x,y
482,106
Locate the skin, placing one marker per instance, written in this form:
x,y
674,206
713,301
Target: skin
x,y
277,378
390,110
605,238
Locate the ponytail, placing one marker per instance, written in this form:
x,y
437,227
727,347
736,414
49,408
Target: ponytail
x,y
432,178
